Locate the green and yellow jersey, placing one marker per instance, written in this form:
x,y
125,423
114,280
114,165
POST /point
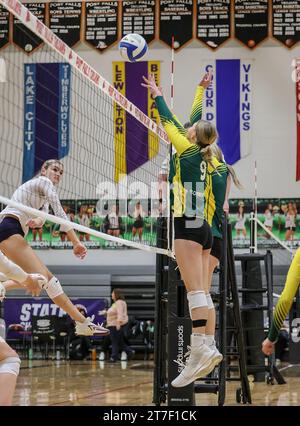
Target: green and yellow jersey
x,y
215,192
216,178
196,111
286,298
188,168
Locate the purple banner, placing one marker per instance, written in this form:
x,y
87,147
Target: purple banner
x,y
19,311
136,134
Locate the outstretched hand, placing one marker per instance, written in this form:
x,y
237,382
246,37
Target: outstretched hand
x,y
151,84
35,223
79,250
33,284
206,80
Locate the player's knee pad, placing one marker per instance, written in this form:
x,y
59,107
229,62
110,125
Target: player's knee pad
x,y
53,288
10,365
196,299
210,303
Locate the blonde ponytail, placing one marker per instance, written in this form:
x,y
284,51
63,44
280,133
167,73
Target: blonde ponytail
x,y
234,177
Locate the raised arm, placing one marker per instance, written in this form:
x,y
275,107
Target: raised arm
x,y
175,131
196,111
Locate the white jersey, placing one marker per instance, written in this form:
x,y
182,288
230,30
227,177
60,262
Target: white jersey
x,y
37,193
84,220
10,271
268,220
113,220
240,223
290,221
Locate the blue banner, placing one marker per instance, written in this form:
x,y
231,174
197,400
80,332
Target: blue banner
x,y
228,104
46,114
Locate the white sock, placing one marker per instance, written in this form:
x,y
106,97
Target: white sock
x,y
210,339
197,339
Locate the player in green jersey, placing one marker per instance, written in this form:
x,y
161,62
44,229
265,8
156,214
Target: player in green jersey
x,y
193,236
218,182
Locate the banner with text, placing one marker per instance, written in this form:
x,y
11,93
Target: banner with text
x,y
228,104
134,143
19,311
46,114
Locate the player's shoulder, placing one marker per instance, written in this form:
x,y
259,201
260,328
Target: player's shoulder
x,y
191,150
44,179
217,166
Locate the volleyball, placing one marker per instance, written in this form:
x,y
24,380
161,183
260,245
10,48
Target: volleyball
x,y
133,47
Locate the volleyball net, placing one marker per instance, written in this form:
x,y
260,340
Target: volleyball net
x,y
54,105
267,237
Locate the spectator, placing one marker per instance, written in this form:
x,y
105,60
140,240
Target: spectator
x,y
113,222
84,220
117,323
268,221
290,222
240,223
138,225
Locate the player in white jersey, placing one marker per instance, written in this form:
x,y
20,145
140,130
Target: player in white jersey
x,y
39,193
12,276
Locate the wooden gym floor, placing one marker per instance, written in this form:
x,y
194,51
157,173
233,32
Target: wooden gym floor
x,y
98,383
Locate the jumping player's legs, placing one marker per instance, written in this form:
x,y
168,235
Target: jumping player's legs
x,y
211,319
214,259
9,370
189,259
18,250
193,261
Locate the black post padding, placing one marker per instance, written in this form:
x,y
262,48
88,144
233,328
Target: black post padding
x,y
160,329
253,310
179,332
223,284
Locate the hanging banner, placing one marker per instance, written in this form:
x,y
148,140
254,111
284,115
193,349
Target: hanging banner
x,y
4,27
134,143
228,104
22,36
251,21
65,21
139,17
286,20
101,23
213,22
176,19
46,119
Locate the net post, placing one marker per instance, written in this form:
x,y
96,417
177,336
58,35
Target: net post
x,y
160,321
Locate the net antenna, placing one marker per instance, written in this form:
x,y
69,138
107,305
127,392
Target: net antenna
x,y
92,155
170,221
